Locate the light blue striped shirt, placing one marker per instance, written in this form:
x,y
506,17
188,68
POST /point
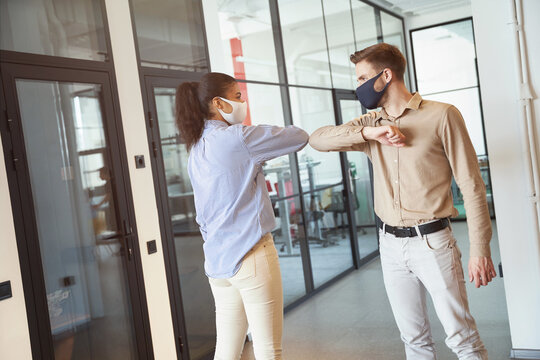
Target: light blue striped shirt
x,y
231,199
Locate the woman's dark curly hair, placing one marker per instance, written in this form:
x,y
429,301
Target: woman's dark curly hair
x,y
193,104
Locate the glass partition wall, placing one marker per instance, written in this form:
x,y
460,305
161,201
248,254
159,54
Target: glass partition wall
x,y
452,46
290,58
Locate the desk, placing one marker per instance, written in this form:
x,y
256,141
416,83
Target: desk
x,y
311,179
181,204
284,174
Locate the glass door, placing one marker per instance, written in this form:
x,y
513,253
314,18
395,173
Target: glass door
x,y
360,182
188,285
75,222
326,209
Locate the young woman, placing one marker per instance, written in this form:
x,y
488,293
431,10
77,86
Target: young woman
x,y
234,211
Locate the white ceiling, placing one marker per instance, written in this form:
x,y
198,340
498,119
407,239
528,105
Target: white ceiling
x,y
421,7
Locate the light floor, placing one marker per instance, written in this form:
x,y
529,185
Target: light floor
x,y
327,262
352,318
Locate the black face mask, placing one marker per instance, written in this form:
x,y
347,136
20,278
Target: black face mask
x,y
367,95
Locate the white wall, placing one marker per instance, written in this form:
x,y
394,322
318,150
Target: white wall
x,y
13,323
498,80
144,200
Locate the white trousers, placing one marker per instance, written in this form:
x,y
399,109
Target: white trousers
x,y
252,297
431,262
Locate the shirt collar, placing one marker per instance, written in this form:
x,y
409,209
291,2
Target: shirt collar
x,y
214,123
413,104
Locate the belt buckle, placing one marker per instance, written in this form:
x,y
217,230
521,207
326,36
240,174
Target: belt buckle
x,y
404,232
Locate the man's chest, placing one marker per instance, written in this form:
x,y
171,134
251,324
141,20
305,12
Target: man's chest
x,y
423,144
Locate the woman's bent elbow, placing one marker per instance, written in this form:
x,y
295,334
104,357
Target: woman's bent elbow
x,y
304,136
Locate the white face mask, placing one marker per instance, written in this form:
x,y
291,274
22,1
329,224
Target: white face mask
x,y
238,114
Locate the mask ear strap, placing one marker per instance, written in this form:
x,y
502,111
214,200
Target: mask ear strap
x,y
386,85
226,100
382,72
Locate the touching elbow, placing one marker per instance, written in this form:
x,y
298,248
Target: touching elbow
x,y
304,138
298,139
316,143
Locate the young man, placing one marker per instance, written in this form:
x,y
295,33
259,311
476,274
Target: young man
x,y
416,146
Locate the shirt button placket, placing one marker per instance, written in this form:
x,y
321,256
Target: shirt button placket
x,y
396,181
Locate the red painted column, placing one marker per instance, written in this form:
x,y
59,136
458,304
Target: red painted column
x,y
240,73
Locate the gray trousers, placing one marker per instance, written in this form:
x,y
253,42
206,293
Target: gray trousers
x,y
431,262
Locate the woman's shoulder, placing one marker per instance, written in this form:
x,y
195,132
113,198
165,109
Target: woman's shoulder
x,y
222,142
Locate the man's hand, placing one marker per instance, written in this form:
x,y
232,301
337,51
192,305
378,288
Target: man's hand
x,y
386,135
481,270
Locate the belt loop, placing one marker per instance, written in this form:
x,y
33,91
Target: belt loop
x,y
384,228
418,233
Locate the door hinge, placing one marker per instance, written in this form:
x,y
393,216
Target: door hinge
x,y
15,158
181,344
9,121
154,149
150,119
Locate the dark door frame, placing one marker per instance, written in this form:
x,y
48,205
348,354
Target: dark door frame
x,y
14,66
148,83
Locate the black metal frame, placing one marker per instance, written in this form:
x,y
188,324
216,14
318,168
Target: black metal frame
x,y
27,234
429,27
478,86
160,187
52,68
358,259
151,77
293,158
380,30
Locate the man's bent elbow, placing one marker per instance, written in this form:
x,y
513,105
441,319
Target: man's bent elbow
x,y
317,143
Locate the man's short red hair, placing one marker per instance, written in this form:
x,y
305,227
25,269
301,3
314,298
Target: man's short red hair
x,y
382,56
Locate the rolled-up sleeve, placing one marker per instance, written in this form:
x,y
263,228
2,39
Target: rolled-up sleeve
x,y
266,142
346,137
464,163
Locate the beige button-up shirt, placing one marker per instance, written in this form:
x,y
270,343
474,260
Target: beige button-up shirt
x,y
413,183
